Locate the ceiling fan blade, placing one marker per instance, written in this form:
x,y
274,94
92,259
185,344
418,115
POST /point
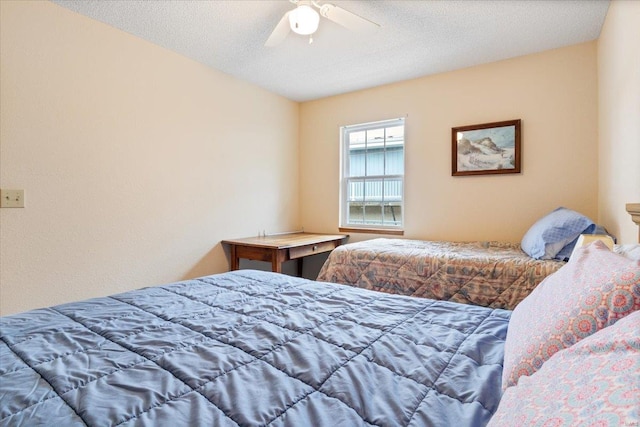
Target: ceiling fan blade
x,y
280,32
347,19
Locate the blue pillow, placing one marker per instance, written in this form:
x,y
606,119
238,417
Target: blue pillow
x,y
550,234
566,252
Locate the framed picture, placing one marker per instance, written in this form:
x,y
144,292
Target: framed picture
x,y
489,148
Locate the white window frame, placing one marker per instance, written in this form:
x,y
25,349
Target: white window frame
x,y
345,177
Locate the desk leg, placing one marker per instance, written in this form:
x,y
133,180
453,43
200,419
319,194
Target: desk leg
x,y
277,258
276,267
300,261
234,258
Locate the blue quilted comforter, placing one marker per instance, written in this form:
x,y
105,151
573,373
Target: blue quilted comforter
x,y
252,348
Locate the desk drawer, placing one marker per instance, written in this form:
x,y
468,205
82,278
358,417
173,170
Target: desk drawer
x,y
255,254
312,249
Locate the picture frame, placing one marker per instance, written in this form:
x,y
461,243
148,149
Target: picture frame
x,y
486,149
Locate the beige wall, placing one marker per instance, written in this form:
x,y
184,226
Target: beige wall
x,y
619,117
135,161
554,93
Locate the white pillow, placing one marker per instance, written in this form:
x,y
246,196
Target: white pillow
x,y
630,251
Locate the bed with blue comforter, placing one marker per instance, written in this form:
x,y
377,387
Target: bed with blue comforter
x,y
251,348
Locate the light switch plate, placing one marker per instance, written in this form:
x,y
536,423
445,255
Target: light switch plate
x,y
11,198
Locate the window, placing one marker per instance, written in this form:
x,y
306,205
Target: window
x,y
372,177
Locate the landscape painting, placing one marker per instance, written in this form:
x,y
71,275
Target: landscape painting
x,y
489,148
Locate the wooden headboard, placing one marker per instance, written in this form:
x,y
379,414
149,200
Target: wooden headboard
x,y
634,211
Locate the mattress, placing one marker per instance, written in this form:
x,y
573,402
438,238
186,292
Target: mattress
x,y
490,274
250,348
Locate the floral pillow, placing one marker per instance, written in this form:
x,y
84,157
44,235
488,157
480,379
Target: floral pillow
x,y
592,291
595,382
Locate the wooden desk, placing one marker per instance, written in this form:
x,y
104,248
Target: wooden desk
x,y
280,248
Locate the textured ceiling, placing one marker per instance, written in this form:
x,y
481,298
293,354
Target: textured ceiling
x,y
415,38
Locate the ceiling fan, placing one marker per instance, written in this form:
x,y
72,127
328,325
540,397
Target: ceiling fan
x,y
304,20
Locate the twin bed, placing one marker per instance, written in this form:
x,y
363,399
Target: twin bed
x,y
489,274
251,348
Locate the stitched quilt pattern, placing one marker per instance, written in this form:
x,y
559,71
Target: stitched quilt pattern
x,y
252,348
490,274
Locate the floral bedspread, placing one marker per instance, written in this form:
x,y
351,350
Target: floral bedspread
x,y
490,274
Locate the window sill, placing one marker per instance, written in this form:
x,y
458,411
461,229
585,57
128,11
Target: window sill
x,y
372,231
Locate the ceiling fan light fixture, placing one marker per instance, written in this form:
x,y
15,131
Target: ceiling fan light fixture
x,y
304,20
